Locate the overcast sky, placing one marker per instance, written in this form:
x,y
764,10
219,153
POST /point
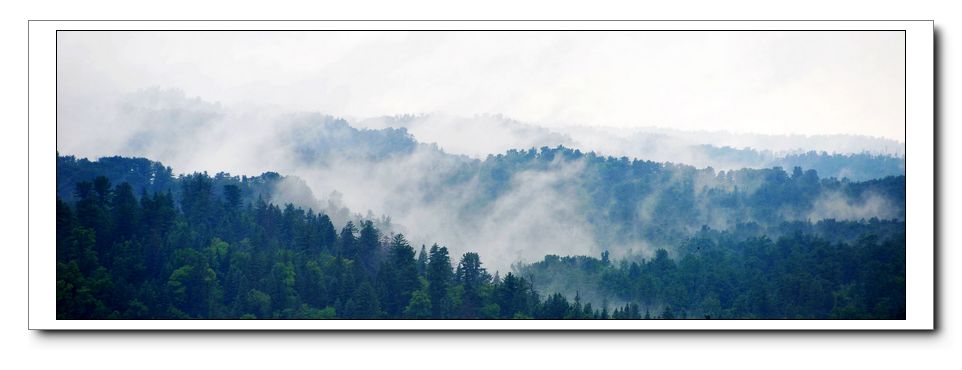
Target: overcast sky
x,y
759,82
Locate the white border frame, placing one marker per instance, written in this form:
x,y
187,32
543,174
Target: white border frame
x,y
920,234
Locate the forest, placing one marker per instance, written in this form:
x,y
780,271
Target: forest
x,y
519,203
134,241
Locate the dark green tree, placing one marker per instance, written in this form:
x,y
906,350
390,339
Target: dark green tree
x,y
472,277
439,277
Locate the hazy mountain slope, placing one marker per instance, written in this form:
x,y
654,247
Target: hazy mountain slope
x,y
519,203
854,157
525,204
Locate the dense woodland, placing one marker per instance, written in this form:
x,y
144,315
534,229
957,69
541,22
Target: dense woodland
x,y
135,242
616,196
800,276
856,165
120,257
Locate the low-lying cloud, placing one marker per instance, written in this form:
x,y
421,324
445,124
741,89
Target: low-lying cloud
x,y
534,216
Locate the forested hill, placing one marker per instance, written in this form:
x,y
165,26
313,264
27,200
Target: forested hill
x,y
628,201
146,176
857,158
567,201
612,203
197,246
852,166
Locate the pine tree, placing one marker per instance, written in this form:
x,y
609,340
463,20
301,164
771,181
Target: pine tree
x,y
348,242
439,278
398,276
367,246
472,277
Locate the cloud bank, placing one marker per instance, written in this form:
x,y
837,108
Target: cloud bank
x,y
336,168
766,82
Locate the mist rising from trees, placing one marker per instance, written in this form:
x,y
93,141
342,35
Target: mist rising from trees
x,y
545,214
514,197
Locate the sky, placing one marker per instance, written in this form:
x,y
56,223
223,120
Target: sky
x,y
235,102
806,83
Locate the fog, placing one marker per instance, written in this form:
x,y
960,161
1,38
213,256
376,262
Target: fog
x,y
476,136
463,135
251,102
332,171
834,205
766,82
530,219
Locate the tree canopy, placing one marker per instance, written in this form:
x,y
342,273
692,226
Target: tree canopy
x,y
151,246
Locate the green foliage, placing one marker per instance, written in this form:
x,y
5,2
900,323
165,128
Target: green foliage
x,y
439,277
472,277
794,277
398,277
180,248
419,307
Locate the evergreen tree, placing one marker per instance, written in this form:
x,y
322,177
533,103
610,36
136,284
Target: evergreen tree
x,y
398,276
368,246
180,252
348,240
472,277
439,278
420,306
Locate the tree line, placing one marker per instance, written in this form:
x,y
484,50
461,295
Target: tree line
x,y
716,275
209,256
206,256
199,246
